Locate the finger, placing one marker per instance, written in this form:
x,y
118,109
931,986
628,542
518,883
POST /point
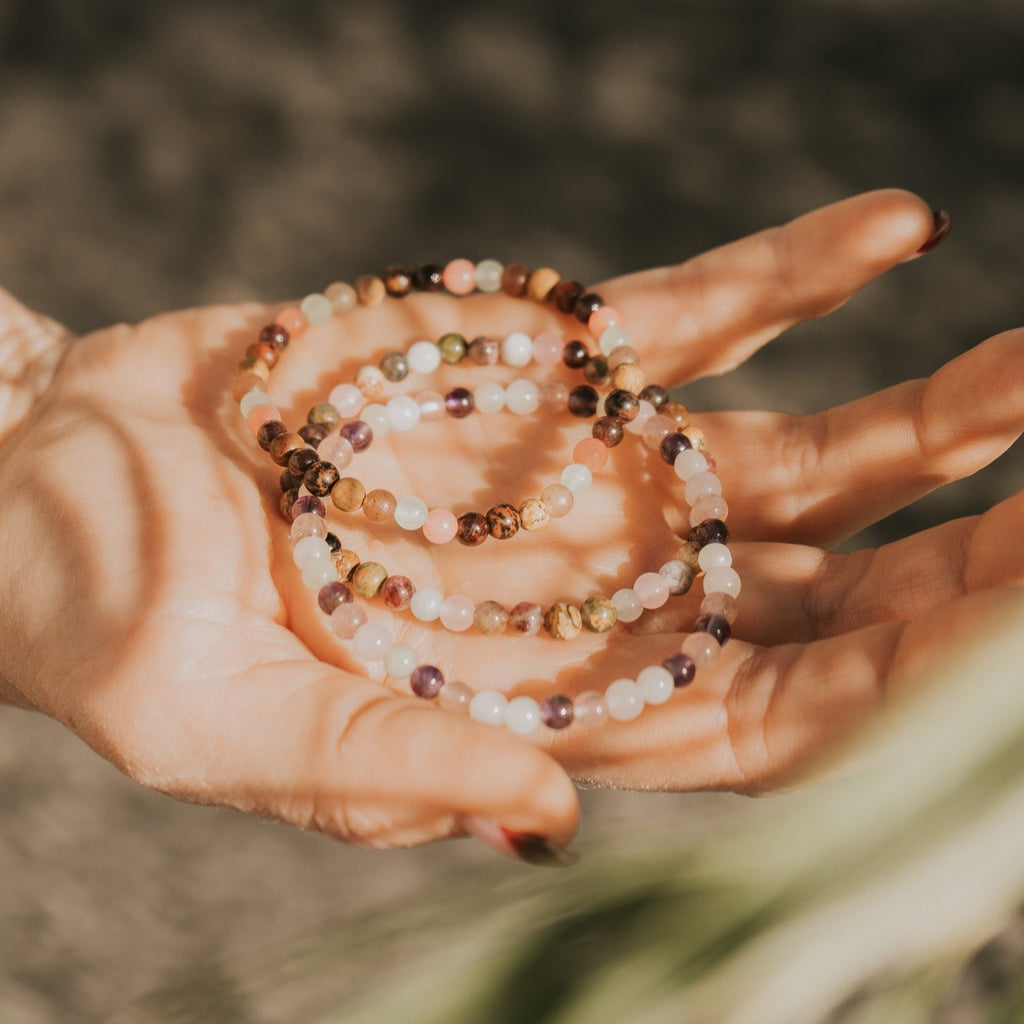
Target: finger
x,y
828,475
707,315
30,348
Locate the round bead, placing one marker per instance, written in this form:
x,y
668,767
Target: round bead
x,y
358,434
426,681
565,294
489,397
428,277
556,711
452,347
602,318
397,592
370,381
678,575
708,506
652,588
473,529
274,334
379,506
459,277
320,478
583,401
623,355
533,514
624,699
540,283
432,407
713,556
688,553
253,367
702,648
525,618
488,707
590,710
725,581
622,404
341,295
554,396
337,450
370,290
488,276
371,641
689,463
513,280
503,521
591,453
679,415
517,349
522,715
457,613
347,399
307,503
681,667
596,370
313,434
709,531
332,594
577,478
671,445
547,348
400,660
456,696
283,445
344,562
557,499
598,614
293,320
609,430
376,417
586,305
308,525
347,494
485,350
612,337
490,618
715,626
317,309
440,526
426,604
300,461
458,403
702,483
367,578
411,512
522,397
395,366
346,619
311,549
397,282
268,433
261,414
719,604
317,574
251,399
628,606
656,429
575,355
563,621
423,357
655,394
656,684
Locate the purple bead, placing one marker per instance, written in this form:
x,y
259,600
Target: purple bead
x,y
331,595
711,531
715,625
556,711
358,434
672,445
313,433
459,402
308,503
426,681
682,667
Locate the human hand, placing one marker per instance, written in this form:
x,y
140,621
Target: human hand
x,y
150,600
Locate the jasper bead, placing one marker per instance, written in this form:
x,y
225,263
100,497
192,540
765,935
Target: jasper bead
x,y
525,618
370,290
623,404
331,595
347,494
534,514
459,403
575,355
333,543
609,430
598,614
428,278
358,434
396,592
313,434
395,366
556,711
473,529
284,446
583,401
285,502
565,294
268,431
246,382
714,625
689,555
655,394
490,618
671,445
563,621
426,681
379,505
367,578
682,668
503,521
452,347
397,282
320,478
300,460
678,575
289,482
345,561
514,279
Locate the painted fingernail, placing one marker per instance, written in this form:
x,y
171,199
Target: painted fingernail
x,y
942,226
529,847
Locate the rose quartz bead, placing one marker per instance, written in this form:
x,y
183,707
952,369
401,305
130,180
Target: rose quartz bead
x,y
346,619
644,414
719,604
557,499
722,580
522,397
432,407
441,526
713,556
627,603
261,414
457,613
589,710
624,699
590,453
689,462
336,450
459,277
547,349
455,697
554,396
652,588
701,483
347,399
602,318
308,524
708,506
623,354
702,648
655,431
293,320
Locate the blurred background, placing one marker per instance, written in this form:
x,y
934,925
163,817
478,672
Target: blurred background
x,y
159,155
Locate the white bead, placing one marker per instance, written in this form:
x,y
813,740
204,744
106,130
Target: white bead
x,y
714,555
403,412
371,641
577,478
311,549
517,349
426,604
612,337
251,399
423,356
628,606
522,397
457,613
317,309
376,415
488,706
488,275
624,699
656,684
702,483
347,399
411,512
522,715
489,397
722,580
644,413
688,462
317,574
400,660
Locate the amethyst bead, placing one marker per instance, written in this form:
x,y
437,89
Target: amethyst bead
x,y
331,595
711,531
556,711
672,445
308,503
426,681
714,625
358,434
682,668
459,403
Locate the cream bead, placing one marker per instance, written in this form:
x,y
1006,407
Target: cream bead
x,y
376,416
426,604
688,463
700,484
722,580
522,397
624,699
400,660
612,337
577,478
403,412
411,512
317,309
713,556
628,606
423,356
656,684
488,707
489,397
488,275
522,715
517,349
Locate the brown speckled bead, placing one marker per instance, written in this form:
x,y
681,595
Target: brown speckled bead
x,y
370,290
533,514
596,370
323,414
490,618
395,366
587,304
453,347
609,430
676,412
688,554
565,294
473,529
367,578
347,494
283,445
276,335
345,561
525,618
396,592
379,505
312,434
397,282
246,382
265,351
300,461
320,478
428,278
268,431
503,521
575,355
513,280
598,614
563,621
252,365
655,394
288,498
540,283
629,377
485,350
623,404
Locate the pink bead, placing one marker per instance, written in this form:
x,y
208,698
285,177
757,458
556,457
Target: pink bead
x,y
432,407
547,349
708,506
260,414
347,399
702,648
457,613
653,589
459,277
335,449
557,499
656,429
603,318
590,453
346,619
441,526
554,396
293,320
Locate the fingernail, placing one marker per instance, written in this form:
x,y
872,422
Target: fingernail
x,y
942,226
529,847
